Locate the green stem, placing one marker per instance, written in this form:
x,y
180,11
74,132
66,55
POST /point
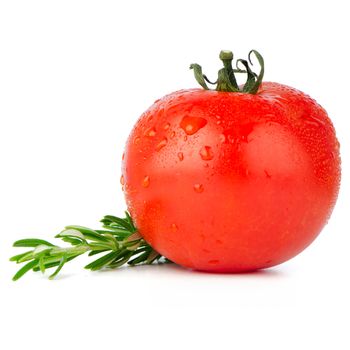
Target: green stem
x,y
226,57
226,76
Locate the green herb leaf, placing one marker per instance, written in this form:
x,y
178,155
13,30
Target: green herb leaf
x,y
62,262
25,269
31,242
19,256
120,241
103,261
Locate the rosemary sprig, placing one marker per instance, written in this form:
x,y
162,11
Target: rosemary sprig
x,y
118,241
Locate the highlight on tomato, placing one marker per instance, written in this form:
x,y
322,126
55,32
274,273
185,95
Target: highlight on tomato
x,y
222,178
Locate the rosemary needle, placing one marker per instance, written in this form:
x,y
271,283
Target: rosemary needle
x,y
117,243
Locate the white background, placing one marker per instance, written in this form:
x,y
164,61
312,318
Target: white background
x,y
74,77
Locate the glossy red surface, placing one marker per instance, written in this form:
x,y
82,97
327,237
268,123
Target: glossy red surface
x,y
232,182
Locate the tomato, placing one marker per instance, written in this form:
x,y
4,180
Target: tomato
x,y
232,181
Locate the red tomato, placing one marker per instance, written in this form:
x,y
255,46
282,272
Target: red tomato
x,y
231,182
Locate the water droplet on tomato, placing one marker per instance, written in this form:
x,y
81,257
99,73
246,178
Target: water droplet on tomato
x,y
122,181
166,126
267,174
161,144
160,112
172,135
312,120
146,181
151,132
222,138
173,227
231,138
245,130
185,138
180,155
198,188
213,262
136,140
206,153
192,124
337,145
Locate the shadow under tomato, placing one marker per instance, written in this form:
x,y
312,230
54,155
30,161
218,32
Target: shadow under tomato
x,y
270,272
176,270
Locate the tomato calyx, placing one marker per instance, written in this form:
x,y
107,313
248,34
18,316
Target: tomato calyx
x,y
226,80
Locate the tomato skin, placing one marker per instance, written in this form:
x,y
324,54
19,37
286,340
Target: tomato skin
x,y
232,182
